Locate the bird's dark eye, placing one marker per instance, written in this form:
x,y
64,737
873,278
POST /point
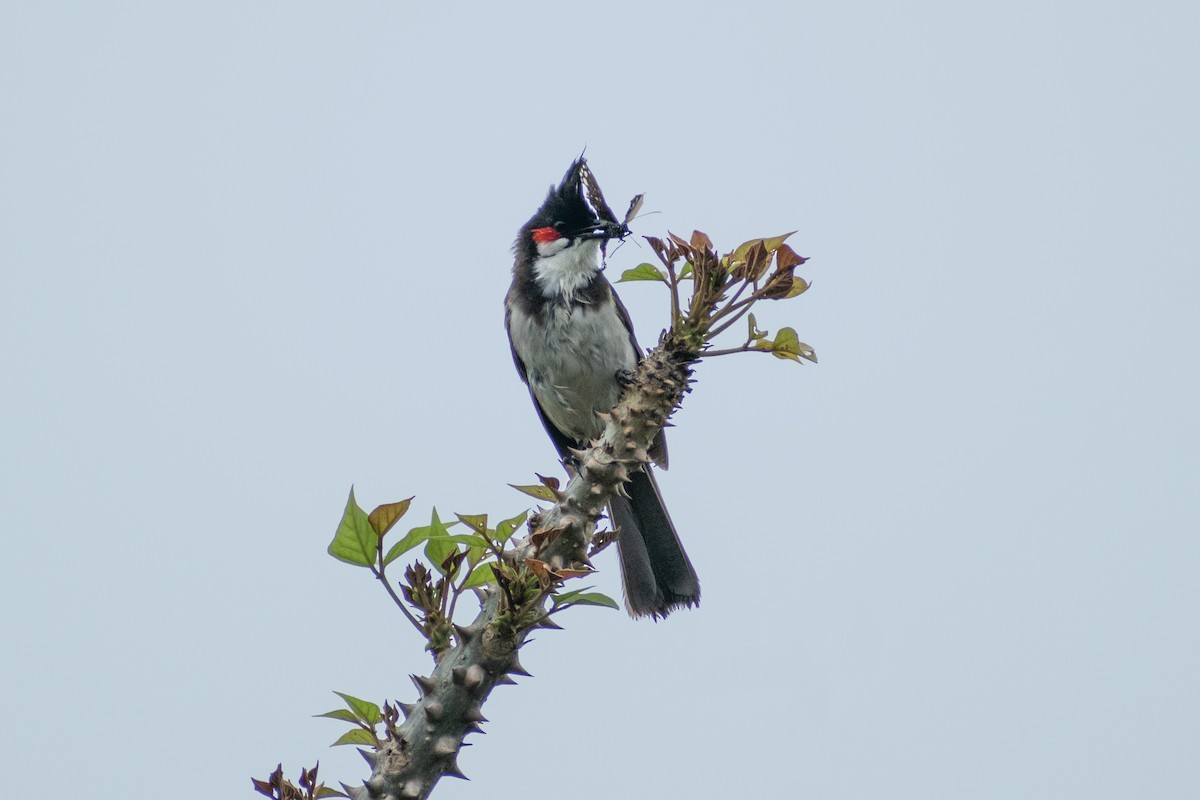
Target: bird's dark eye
x,y
560,225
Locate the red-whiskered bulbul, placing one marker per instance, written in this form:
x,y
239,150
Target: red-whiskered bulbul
x,y
574,346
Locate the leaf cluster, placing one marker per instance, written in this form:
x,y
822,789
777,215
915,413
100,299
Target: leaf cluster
x,y
481,559
278,787
364,717
724,289
454,562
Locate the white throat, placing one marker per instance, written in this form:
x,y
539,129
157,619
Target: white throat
x,y
561,270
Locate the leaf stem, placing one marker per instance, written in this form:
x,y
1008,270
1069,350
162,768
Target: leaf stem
x,y
457,592
379,573
730,350
732,301
717,331
674,283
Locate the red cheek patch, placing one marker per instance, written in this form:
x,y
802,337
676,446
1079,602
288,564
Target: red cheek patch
x,y
545,235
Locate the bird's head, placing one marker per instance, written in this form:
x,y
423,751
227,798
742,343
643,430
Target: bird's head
x,y
573,215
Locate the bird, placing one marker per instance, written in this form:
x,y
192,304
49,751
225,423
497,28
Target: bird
x,y
574,347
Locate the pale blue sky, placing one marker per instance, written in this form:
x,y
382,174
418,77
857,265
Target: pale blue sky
x,y
250,255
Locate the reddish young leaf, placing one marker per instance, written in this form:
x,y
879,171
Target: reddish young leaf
x,y
385,516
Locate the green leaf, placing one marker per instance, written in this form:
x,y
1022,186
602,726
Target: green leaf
x,y
355,541
595,599
410,540
799,286
417,535
482,575
476,522
538,491
755,334
581,597
643,272
478,551
687,271
770,243
469,539
324,791
439,544
566,597
505,529
357,736
343,714
436,551
366,711
477,546
788,345
385,516
476,554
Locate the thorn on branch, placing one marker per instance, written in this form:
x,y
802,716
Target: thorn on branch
x,y
424,684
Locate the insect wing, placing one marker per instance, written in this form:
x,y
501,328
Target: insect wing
x,y
635,205
595,196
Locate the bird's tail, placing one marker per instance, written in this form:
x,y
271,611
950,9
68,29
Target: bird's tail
x,y
657,575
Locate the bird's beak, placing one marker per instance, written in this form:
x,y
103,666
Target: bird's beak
x,y
596,231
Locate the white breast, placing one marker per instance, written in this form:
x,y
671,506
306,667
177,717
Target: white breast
x,y
571,361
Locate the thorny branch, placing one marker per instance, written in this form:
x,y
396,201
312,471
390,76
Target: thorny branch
x,y
412,756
